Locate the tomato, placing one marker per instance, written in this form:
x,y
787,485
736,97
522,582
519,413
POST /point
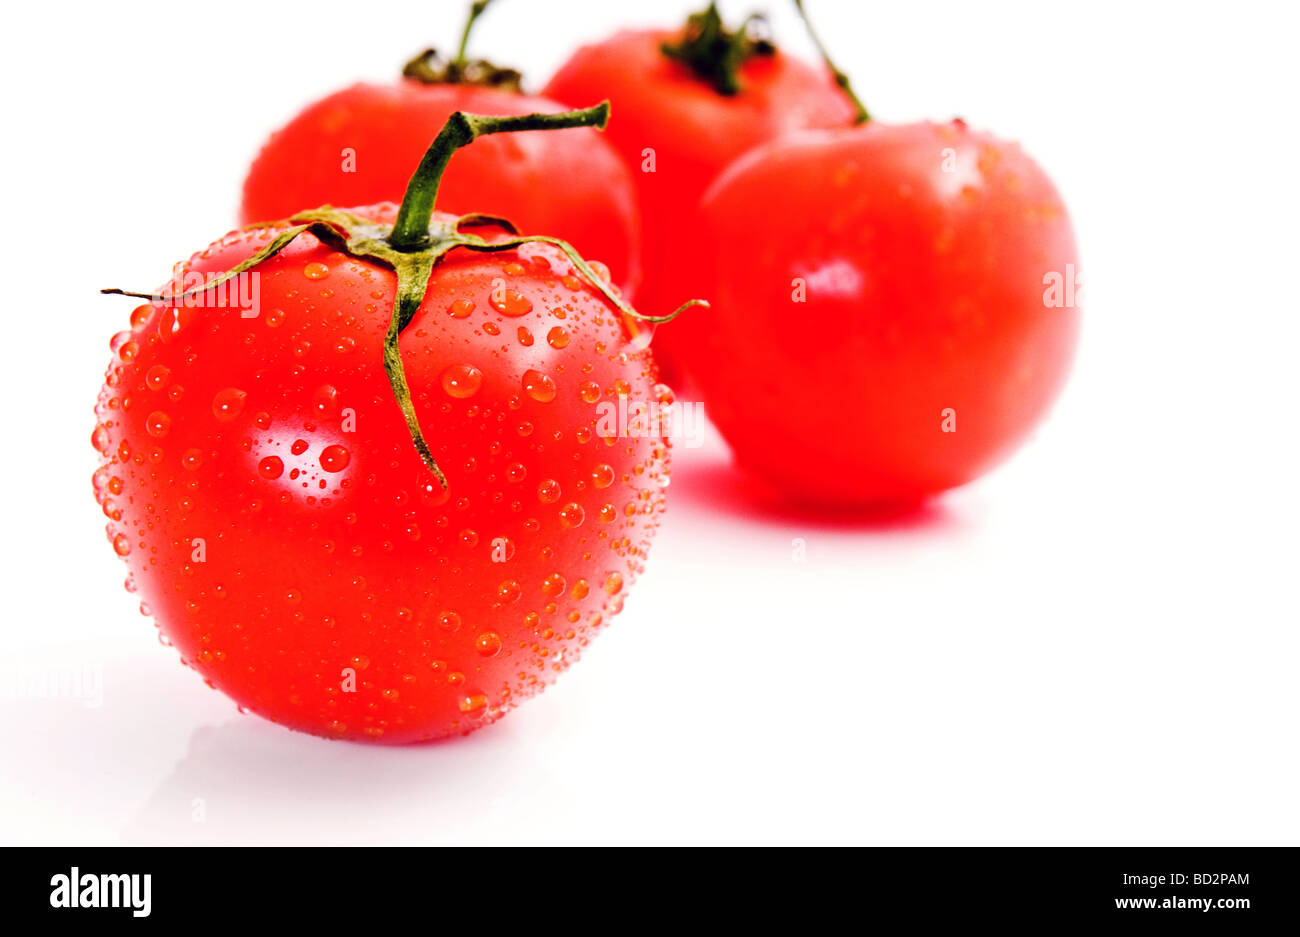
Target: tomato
x,y
895,308
260,481
358,146
678,130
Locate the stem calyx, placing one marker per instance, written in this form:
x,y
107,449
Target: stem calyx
x,y
716,54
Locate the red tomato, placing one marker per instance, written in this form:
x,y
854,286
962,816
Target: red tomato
x,y
358,147
262,487
678,132
875,289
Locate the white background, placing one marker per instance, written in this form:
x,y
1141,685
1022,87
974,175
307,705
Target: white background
x,y
1095,644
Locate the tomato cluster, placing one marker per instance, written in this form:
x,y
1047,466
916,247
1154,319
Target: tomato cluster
x,y
360,463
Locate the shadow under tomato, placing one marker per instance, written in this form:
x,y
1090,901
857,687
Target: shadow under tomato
x,y
248,781
709,481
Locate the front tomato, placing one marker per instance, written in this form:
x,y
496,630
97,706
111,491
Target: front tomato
x,y
260,482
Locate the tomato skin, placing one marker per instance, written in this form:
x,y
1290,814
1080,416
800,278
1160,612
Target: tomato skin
x,y
341,551
924,291
659,104
389,126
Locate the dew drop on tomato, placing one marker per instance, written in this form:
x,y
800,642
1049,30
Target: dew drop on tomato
x,y
325,400
510,302
228,404
157,424
461,380
474,703
538,386
334,458
271,467
572,515
488,644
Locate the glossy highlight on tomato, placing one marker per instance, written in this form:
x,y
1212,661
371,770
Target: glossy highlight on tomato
x,y
260,483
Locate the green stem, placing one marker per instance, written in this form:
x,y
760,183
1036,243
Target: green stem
x,y
411,230
475,11
841,79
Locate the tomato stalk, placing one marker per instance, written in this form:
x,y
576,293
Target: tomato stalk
x,y
841,79
414,244
430,68
411,230
475,11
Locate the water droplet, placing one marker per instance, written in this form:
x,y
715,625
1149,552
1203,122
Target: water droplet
x,y
510,302
315,271
548,492
553,584
449,621
614,584
298,447
602,476
121,545
461,309
156,377
334,458
471,704
508,591
488,644
191,459
157,424
461,380
572,515
325,400
557,337
538,386
590,391
271,467
228,404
